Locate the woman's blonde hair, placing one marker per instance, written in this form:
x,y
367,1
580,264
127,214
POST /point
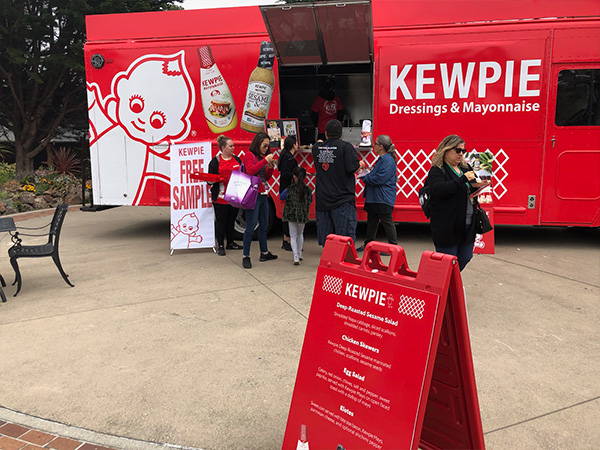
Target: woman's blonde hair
x,y
448,143
222,141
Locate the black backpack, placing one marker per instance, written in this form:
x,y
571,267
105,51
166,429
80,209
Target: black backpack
x,y
425,199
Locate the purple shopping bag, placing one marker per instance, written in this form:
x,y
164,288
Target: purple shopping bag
x,y
242,190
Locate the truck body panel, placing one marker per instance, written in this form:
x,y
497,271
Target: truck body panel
x,y
518,80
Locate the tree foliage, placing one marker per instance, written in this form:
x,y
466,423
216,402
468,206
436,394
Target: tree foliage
x,y
42,82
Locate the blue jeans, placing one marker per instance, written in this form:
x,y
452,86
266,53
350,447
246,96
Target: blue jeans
x,y
340,220
259,214
463,252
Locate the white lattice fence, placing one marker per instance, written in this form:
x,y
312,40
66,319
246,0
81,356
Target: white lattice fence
x,y
412,169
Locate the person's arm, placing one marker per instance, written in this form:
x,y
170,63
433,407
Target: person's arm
x,y
442,188
381,173
213,165
252,164
315,153
268,173
213,168
350,159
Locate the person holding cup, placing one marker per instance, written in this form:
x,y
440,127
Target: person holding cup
x,y
451,181
260,162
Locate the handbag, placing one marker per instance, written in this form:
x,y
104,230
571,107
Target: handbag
x,y
482,222
242,190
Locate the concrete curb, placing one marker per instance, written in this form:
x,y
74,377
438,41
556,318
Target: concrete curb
x,y
83,434
19,217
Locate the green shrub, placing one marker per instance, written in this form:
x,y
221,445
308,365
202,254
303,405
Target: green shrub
x,y
7,172
41,188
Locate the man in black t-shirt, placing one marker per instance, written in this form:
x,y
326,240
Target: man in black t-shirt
x,y
335,163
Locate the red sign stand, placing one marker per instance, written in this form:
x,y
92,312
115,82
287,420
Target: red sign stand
x,y
386,360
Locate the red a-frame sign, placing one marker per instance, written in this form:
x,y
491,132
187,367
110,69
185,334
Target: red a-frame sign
x,y
386,360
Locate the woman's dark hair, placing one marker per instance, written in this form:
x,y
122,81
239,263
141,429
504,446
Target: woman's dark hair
x,y
289,142
300,174
255,144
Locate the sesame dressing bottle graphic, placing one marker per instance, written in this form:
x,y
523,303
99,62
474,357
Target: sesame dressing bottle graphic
x,y
260,91
303,440
217,101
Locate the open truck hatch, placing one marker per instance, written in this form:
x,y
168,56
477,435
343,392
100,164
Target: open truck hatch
x,y
321,33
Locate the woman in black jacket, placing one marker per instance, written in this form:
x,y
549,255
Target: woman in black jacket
x,y
451,181
287,164
225,214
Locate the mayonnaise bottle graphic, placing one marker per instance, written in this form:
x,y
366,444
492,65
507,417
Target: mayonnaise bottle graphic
x,y
260,91
303,441
217,101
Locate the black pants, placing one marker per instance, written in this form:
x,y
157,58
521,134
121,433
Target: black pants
x,y
286,229
224,222
380,213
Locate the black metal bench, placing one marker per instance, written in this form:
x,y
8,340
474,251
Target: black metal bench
x,y
48,249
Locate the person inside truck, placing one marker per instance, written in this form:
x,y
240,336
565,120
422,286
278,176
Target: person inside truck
x,y
327,106
225,214
335,162
451,181
380,191
258,162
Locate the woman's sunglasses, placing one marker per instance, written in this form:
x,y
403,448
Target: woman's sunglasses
x,y
459,150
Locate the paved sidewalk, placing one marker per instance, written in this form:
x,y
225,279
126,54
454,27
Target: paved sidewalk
x,y
16,437
24,431
192,349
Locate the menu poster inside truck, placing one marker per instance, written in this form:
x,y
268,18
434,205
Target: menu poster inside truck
x,y
143,99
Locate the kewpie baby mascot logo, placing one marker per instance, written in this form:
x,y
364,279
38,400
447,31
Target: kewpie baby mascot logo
x,y
132,129
185,234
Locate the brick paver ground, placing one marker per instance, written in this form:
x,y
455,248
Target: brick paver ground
x,y
18,437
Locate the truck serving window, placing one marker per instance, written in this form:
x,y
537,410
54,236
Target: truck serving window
x,y
578,98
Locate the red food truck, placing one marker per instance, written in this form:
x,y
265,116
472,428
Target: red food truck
x,y
519,80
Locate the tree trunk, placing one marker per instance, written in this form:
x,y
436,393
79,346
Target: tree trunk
x,y
24,163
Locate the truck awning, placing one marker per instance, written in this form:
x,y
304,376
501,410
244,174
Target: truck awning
x,y
321,33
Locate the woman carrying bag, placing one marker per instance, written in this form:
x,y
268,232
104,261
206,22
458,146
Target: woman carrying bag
x,y
258,162
453,211
225,214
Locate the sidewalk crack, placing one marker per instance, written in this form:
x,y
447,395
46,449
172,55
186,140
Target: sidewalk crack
x,y
543,415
